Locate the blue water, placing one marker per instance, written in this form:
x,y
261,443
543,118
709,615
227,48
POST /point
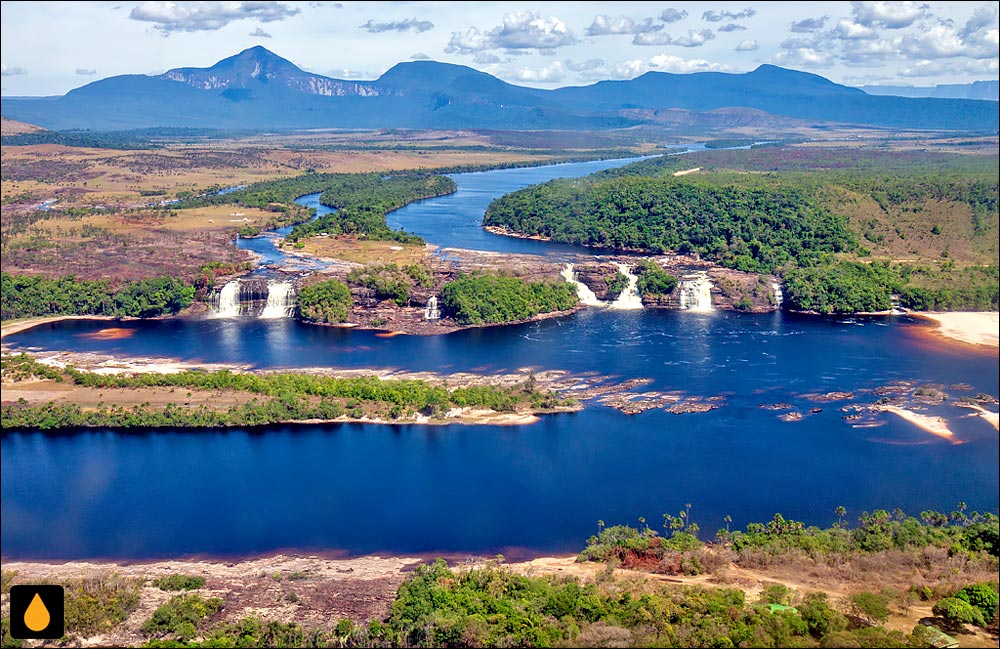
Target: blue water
x,y
521,490
453,221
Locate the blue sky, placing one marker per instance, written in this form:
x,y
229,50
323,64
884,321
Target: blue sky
x,y
49,48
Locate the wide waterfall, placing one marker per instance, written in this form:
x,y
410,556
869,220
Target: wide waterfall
x,y
229,300
583,291
779,297
432,312
629,298
696,291
280,301
258,297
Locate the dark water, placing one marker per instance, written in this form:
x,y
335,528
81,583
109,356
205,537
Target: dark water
x,y
541,487
521,489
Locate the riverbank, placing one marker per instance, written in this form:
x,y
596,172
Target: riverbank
x,y
979,329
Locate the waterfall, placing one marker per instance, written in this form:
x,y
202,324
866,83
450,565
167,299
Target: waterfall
x,y
629,298
229,300
779,297
696,292
432,312
583,291
280,300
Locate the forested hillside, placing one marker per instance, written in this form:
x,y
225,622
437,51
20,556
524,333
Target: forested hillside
x,y
932,218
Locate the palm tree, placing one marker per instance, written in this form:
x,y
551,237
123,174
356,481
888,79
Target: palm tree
x,y
600,526
841,513
728,519
642,523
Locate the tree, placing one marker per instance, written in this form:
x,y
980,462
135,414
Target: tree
x,y
873,608
328,302
841,512
957,612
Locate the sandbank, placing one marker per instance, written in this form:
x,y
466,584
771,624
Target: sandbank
x,y
979,328
933,425
992,417
17,326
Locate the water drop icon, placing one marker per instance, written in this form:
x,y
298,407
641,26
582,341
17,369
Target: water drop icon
x,y
37,617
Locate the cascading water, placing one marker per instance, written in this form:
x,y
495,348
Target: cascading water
x,y
696,292
432,312
583,291
280,300
779,297
229,300
629,298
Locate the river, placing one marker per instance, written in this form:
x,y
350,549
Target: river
x,y
522,490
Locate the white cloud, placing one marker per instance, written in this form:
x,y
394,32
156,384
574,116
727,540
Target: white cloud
x,y
604,25
870,53
679,65
719,16
808,25
747,46
943,41
552,73
11,70
673,15
419,56
584,66
519,30
693,39
485,58
207,16
260,33
847,29
892,15
409,24
84,72
806,57
732,27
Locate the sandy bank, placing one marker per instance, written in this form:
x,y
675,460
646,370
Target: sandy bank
x,y
933,425
981,329
18,326
993,418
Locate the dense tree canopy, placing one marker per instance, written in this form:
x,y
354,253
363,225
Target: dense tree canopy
x,y
327,301
484,298
26,296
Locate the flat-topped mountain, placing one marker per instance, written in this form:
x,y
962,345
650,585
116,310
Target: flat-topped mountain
x,y
258,89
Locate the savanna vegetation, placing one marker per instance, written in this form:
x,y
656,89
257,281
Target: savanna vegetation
x,y
490,604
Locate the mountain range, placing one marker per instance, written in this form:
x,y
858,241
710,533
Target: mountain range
x,y
257,89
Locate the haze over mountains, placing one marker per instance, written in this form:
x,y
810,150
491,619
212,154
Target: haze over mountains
x,y
256,89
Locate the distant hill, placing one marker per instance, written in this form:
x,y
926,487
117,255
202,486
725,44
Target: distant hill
x,y
257,89
13,127
987,90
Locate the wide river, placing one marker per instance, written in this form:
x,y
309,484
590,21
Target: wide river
x,y
522,490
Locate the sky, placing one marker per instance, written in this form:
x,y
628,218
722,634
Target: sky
x,y
49,48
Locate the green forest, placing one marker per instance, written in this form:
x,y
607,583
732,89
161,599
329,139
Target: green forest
x,y
785,211
486,298
23,296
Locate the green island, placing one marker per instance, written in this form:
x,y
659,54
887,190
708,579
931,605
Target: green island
x,y
243,399
614,597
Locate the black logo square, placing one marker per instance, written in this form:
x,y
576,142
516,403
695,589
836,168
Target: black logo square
x,y
37,612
